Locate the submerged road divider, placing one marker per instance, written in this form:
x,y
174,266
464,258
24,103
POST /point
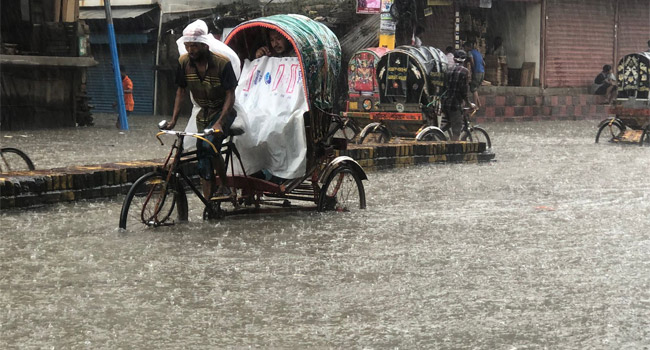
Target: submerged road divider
x,y
73,183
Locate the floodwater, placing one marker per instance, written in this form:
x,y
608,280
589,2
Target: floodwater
x,y
546,248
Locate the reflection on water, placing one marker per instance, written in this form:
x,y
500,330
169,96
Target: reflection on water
x,y
545,248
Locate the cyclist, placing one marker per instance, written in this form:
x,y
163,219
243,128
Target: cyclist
x,y
456,94
211,80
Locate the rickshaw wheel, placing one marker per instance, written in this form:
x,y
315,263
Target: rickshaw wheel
x,y
13,159
610,132
645,137
375,136
342,191
476,134
433,135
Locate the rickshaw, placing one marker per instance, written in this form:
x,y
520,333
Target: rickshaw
x,y
363,89
632,106
411,80
260,184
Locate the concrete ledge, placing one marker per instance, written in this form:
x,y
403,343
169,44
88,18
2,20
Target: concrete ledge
x,y
41,187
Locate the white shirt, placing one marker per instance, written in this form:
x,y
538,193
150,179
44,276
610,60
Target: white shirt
x,y
450,59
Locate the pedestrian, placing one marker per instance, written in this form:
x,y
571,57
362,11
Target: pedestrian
x,y
605,84
499,51
449,52
212,81
648,46
127,89
456,94
477,68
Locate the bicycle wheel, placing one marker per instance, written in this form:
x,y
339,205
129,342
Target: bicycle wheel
x,y
151,200
13,159
610,131
433,135
342,191
645,137
476,134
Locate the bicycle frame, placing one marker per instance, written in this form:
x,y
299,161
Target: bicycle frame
x,y
172,168
467,125
252,188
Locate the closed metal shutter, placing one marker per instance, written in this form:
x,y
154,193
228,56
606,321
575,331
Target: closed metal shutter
x,y
579,41
439,27
138,61
633,26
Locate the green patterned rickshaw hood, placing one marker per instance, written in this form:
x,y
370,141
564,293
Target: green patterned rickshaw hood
x,y
316,46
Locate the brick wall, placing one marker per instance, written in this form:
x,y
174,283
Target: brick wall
x,y
528,104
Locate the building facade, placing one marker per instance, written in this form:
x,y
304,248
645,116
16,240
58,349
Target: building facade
x,y
566,41
43,61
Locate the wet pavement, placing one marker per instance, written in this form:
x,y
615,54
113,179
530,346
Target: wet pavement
x,y
101,143
545,248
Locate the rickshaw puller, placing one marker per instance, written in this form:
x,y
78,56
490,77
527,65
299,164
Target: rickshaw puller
x,y
456,94
212,81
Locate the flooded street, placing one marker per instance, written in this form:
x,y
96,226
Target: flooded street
x,y
545,248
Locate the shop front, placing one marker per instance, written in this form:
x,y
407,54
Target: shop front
x,y
515,24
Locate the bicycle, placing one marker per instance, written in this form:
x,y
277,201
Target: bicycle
x,y
156,195
14,159
469,132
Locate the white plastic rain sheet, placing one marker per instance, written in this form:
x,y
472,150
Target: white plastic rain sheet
x,y
270,103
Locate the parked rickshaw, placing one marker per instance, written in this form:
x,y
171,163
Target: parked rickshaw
x,y
324,183
411,80
363,88
632,106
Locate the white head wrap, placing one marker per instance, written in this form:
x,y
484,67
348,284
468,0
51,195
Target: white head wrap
x,y
197,32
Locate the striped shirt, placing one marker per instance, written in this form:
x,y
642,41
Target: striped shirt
x,y
209,92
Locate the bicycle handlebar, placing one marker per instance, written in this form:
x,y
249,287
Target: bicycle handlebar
x,y
474,110
198,135
205,132
183,133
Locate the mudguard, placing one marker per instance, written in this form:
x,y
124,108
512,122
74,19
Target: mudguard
x,y
339,161
421,133
616,121
372,127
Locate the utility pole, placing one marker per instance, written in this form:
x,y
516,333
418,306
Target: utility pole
x,y
124,123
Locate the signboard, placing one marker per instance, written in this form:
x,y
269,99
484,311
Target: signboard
x,y
397,74
368,6
386,26
486,4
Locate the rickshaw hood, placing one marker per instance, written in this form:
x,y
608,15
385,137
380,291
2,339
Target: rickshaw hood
x,y
316,47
